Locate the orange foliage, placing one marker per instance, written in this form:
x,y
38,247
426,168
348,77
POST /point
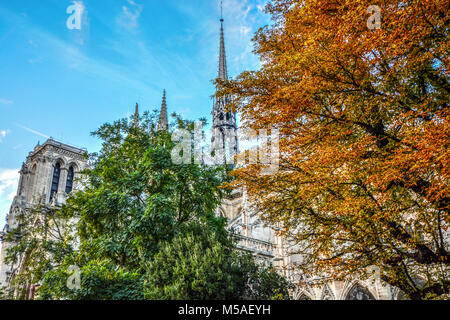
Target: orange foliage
x,y
364,126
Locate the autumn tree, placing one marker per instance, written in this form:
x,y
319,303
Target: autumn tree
x,y
362,110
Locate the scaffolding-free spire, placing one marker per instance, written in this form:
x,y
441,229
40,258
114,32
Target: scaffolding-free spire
x,y
163,123
223,73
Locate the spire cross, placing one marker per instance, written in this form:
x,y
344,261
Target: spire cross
x,y
221,10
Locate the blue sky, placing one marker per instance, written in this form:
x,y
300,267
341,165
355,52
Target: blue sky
x,y
65,83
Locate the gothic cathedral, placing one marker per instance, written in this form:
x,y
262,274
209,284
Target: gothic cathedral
x,y
50,172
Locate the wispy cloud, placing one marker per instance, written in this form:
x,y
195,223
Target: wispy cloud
x,y
242,19
3,134
33,131
72,55
17,147
6,101
129,17
9,179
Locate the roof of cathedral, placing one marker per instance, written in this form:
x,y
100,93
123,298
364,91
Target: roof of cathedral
x,y
79,152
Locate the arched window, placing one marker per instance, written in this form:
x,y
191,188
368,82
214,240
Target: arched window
x,y
69,182
304,297
359,293
55,181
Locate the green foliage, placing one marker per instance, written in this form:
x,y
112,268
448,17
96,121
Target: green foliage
x,y
41,240
144,228
100,280
201,267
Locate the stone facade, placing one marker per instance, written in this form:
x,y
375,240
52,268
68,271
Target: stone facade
x,y
50,172
265,245
37,185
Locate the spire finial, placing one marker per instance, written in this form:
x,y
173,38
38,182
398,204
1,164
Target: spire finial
x,y
223,73
221,10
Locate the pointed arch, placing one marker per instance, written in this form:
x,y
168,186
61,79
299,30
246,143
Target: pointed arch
x,y
327,294
55,180
358,291
303,294
222,213
69,180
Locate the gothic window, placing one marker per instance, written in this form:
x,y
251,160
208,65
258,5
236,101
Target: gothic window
x,y
228,116
55,181
69,182
221,116
326,294
359,293
304,297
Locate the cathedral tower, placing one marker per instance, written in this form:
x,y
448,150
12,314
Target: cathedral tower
x,y
224,120
50,173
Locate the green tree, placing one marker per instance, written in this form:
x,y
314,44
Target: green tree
x,y
135,210
200,266
41,240
134,199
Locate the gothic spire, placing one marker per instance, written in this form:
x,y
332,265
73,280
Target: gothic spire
x,y
223,73
136,115
224,139
163,123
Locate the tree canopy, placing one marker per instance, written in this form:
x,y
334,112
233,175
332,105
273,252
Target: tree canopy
x,y
141,227
364,135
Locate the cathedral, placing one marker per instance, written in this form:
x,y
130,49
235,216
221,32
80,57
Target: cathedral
x,y
50,173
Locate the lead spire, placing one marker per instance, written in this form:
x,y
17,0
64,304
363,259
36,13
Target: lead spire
x,y
163,123
223,72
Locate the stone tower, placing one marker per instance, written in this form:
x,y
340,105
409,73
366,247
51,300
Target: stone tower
x,y
47,177
224,126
